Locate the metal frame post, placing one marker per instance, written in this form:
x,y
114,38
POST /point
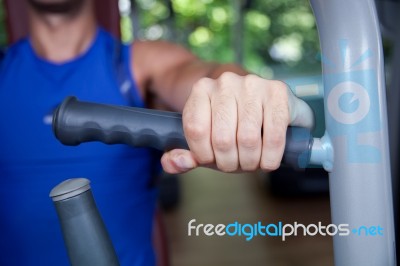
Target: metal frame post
x,y
356,124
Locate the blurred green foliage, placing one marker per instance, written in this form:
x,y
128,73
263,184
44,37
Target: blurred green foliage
x,y
278,37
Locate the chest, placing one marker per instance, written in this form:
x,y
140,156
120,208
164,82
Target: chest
x,y
30,93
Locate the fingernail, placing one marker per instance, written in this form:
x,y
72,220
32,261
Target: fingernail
x,y
184,162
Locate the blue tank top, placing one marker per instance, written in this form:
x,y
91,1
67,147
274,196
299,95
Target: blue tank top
x,y
32,161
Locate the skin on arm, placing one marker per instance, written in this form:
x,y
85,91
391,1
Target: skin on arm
x,y
168,71
224,109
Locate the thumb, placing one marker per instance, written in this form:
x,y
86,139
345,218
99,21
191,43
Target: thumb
x,y
178,161
300,112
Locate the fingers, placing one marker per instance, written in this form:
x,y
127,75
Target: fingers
x,y
178,161
250,120
197,121
301,114
223,121
275,121
210,119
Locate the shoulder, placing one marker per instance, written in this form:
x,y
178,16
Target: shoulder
x,y
160,50
18,47
150,58
13,53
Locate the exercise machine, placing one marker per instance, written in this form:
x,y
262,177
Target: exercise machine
x,y
355,147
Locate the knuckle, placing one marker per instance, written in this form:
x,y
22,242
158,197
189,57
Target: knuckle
x,y
274,140
227,167
269,165
223,142
201,84
206,158
227,76
279,85
195,131
226,79
279,90
249,166
251,81
249,139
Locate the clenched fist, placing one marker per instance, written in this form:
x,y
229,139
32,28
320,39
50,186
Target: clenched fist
x,y
237,123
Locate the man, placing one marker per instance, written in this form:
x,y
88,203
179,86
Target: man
x,y
224,110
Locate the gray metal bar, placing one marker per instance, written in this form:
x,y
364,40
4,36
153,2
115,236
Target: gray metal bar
x,y
388,11
356,122
85,235
394,128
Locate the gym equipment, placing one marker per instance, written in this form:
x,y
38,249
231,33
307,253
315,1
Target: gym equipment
x,y
75,122
84,232
388,11
355,147
360,180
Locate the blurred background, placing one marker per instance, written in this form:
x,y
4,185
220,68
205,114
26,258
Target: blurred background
x,y
269,37
274,39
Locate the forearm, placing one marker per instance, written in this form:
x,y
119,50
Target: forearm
x,y
167,72
179,82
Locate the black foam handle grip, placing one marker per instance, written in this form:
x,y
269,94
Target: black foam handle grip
x,y
75,122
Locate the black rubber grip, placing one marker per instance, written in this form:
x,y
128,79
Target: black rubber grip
x,y
75,122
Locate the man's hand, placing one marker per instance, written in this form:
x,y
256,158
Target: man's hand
x,y
237,123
